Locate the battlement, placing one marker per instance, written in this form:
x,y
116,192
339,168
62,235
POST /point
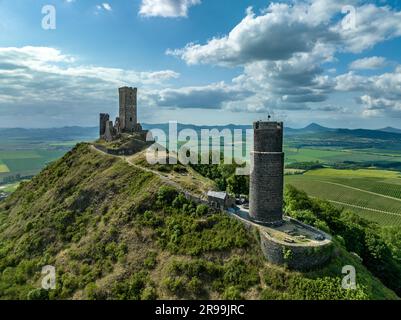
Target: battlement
x,y
267,125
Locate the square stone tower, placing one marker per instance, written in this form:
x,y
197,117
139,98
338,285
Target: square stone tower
x,y
267,173
128,109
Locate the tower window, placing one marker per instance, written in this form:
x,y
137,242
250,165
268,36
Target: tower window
x,y
130,119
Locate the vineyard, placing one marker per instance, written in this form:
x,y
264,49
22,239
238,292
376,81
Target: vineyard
x,y
373,194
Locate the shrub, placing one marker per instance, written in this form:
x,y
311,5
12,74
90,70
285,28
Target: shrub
x,y
166,195
232,293
202,210
38,294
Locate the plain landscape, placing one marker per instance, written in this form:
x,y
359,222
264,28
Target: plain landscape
x,y
358,170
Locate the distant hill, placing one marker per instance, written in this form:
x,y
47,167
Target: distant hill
x,y
62,134
310,129
313,135
70,133
391,130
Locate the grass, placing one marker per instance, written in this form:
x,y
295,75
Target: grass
x,y
373,194
331,156
27,162
116,231
366,173
184,176
3,168
9,188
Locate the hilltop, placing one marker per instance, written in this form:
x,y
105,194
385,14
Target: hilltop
x,y
115,229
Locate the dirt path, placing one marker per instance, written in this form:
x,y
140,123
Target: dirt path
x,y
361,190
160,175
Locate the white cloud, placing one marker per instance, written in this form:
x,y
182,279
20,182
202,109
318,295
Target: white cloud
x,y
107,6
43,80
212,96
369,63
103,7
283,30
166,8
373,25
283,51
381,94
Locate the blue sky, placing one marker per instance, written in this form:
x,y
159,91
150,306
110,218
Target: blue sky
x,y
202,61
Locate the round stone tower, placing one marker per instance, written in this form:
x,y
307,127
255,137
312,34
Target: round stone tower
x,y
267,175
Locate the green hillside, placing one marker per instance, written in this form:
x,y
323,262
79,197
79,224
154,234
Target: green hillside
x,y
115,230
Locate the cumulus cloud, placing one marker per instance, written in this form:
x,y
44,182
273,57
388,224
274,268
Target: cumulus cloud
x,y
43,79
369,63
283,30
381,94
284,48
373,25
166,8
212,96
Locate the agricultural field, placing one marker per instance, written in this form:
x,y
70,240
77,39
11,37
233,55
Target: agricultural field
x,y
373,194
333,155
26,162
3,167
25,152
9,188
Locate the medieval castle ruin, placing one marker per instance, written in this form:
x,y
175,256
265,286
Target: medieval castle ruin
x,y
127,121
284,241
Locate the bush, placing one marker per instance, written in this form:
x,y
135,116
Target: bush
x,y
166,195
232,293
38,294
202,210
149,293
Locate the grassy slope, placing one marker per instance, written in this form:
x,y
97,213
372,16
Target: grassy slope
x,y
98,221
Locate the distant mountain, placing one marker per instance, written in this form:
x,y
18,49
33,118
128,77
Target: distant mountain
x,y
391,130
312,135
310,129
59,134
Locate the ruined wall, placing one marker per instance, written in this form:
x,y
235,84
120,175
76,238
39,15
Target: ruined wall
x,y
296,257
103,119
301,257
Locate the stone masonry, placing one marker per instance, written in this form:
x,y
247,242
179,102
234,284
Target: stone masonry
x,y
267,175
127,121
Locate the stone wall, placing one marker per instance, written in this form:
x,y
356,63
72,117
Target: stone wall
x,y
267,175
296,256
128,109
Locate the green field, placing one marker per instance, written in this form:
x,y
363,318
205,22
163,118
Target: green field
x,y
3,167
9,188
335,155
373,194
26,162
